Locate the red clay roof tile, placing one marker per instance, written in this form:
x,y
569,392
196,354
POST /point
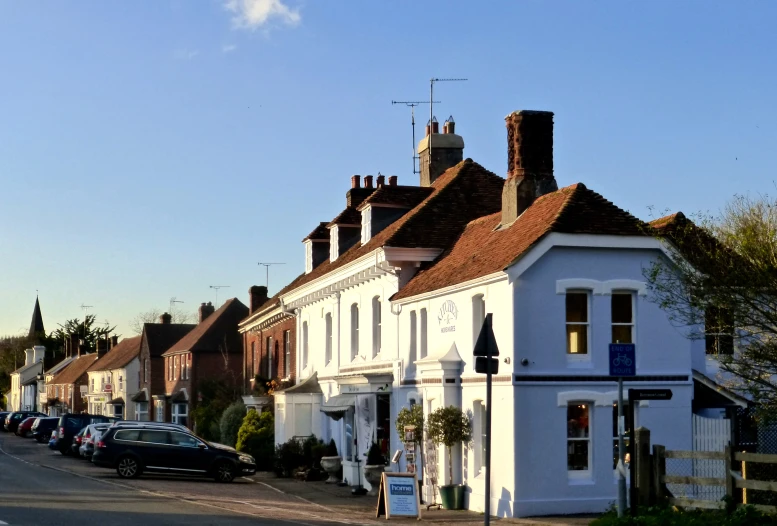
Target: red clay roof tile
x,y
119,356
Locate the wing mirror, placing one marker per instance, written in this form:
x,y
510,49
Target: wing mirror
x,y
202,446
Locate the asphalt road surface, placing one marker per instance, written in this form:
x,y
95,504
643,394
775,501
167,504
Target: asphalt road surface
x,y
39,487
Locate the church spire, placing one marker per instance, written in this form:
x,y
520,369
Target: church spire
x,y
36,326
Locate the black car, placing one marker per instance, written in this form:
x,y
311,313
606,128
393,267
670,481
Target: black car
x,y
70,424
13,420
131,451
42,428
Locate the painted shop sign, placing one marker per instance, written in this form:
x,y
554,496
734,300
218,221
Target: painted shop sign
x,y
447,316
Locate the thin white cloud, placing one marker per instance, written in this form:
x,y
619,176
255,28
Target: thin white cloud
x,y
185,54
228,48
256,14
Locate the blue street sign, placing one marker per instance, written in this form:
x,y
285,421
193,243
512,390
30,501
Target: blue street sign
x,y
623,360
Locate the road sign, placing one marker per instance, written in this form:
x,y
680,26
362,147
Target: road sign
x,y
650,394
481,365
486,340
623,361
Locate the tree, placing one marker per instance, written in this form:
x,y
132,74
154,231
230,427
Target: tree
x,y
152,316
85,329
449,426
720,284
230,423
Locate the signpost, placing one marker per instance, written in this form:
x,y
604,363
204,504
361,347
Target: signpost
x,y
623,362
398,496
485,353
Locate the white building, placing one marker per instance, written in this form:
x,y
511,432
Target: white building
x,y
391,317
23,395
114,379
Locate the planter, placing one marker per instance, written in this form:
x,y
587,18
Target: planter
x,y
332,466
372,475
452,496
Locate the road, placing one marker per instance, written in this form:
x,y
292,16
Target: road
x,y
43,488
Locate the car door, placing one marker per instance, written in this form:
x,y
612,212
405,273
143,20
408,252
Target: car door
x,y
154,449
189,454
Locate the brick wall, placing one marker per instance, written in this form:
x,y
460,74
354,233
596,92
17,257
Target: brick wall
x,y
174,385
256,359
156,372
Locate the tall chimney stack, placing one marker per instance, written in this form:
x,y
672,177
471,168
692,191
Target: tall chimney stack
x,y
165,319
447,150
257,296
367,181
206,310
529,161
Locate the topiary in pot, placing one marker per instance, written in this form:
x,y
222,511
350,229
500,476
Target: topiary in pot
x,y
331,462
449,426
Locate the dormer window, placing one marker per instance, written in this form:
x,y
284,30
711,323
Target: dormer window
x,y
334,243
366,224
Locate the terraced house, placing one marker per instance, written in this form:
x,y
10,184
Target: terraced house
x,y
395,291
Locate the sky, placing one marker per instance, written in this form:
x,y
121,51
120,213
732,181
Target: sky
x,y
150,150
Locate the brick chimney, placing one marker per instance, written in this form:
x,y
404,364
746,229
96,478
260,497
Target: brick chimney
x,y
380,180
206,310
357,194
74,346
392,180
257,296
447,150
529,161
367,181
165,319
114,341
102,347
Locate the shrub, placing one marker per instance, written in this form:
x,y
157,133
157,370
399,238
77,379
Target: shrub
x,y
331,449
288,457
666,516
230,423
216,397
257,438
375,455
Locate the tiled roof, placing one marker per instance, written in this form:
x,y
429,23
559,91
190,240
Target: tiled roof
x,y
403,196
208,335
75,370
122,354
160,336
349,216
320,232
483,249
461,194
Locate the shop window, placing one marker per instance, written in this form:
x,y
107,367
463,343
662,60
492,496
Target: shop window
x,y
181,414
303,420
328,342
354,331
424,340
376,326
578,439
577,322
287,353
413,337
622,317
718,331
478,315
480,436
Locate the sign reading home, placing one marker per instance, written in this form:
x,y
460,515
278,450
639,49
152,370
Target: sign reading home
x,y
398,495
447,316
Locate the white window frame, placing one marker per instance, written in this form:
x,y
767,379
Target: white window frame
x,y
287,353
334,247
587,473
579,357
354,331
366,224
145,370
305,331
424,334
176,362
308,256
413,351
479,433
121,383
159,410
177,414
633,324
141,411
328,336
376,326
478,315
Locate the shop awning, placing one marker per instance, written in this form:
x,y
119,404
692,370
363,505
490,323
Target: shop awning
x,y
337,405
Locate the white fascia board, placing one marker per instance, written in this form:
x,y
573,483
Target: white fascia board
x,y
524,262
258,321
408,254
365,262
458,287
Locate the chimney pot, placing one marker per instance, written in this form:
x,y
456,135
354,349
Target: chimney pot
x,y
435,126
381,181
165,318
446,151
355,181
449,126
392,180
367,181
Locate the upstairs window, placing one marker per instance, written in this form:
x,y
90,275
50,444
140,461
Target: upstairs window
x,y
176,361
478,315
328,342
253,358
622,317
270,365
287,353
354,331
413,337
424,341
577,322
376,326
304,345
718,331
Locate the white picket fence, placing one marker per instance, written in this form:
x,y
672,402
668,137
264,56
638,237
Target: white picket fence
x,y
709,434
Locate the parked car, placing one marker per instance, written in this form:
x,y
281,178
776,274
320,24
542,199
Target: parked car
x,y
3,416
75,445
24,429
92,434
42,428
131,450
13,420
71,423
166,425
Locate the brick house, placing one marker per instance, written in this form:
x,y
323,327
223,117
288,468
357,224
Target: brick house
x,y
155,340
269,343
213,350
68,388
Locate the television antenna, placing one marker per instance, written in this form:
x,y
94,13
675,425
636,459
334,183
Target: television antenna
x,y
412,104
85,308
173,301
431,107
216,288
267,272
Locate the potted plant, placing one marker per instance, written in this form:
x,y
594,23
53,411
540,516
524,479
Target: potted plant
x,y
331,462
374,467
450,426
413,418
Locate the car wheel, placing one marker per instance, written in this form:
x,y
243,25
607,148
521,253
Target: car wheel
x,y
224,472
128,467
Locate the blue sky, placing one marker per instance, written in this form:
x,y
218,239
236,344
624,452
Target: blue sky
x,y
151,149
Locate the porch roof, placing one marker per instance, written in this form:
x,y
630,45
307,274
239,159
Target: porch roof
x,y
337,405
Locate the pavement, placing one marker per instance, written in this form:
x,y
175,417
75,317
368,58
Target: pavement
x,y
43,487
